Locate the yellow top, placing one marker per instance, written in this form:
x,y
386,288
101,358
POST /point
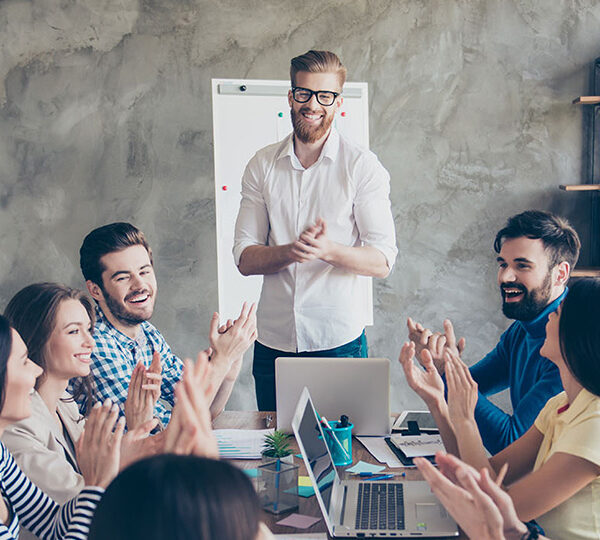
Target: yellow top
x,y
575,431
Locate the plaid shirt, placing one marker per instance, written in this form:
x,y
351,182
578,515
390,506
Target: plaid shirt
x,y
114,357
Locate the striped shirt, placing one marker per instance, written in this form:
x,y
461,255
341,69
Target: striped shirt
x,y
31,508
114,357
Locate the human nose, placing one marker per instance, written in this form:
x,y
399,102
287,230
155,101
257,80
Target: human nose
x,y
136,282
88,340
37,370
506,274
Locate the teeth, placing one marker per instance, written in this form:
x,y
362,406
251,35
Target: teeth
x,y
139,299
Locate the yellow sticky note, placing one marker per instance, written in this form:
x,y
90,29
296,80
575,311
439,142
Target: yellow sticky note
x,y
304,481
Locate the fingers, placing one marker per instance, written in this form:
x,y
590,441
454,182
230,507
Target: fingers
x,y
142,431
427,361
461,345
449,333
155,365
213,330
407,353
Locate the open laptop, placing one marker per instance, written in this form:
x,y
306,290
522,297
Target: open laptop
x,y
356,387
363,508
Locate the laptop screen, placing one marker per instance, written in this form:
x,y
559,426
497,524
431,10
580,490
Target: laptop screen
x,y
316,452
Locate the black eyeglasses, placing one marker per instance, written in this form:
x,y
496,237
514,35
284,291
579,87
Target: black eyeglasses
x,y
304,95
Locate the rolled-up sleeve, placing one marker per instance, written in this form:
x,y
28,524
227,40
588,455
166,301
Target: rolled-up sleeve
x,y
372,207
252,224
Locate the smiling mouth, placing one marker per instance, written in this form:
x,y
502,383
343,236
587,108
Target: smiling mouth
x,y
138,298
311,117
86,358
512,294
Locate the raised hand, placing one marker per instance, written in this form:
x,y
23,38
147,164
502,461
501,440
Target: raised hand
x,y
98,449
229,343
435,342
427,384
143,392
190,428
471,508
462,390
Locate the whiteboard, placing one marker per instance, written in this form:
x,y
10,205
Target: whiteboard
x,y
249,114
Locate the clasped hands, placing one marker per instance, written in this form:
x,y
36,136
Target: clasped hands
x,y
312,244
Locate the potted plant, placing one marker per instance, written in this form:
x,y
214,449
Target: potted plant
x,y
277,478
277,447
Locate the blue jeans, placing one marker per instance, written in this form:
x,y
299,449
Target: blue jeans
x,y
263,367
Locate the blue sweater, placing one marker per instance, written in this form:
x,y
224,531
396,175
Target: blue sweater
x,y
515,363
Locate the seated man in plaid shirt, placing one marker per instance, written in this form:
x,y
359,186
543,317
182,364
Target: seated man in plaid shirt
x,y
117,265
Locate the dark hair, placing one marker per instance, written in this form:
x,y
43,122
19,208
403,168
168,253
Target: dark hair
x,y
558,236
318,62
5,348
104,240
579,332
180,498
32,312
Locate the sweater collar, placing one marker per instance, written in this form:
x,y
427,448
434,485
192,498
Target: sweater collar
x,y
537,327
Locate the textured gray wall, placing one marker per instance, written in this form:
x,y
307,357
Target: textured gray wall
x,y
105,114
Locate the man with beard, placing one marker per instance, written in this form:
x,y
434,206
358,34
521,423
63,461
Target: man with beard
x,y
315,216
116,262
536,252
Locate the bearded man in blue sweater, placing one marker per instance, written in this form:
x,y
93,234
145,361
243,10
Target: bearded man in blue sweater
x,y
536,252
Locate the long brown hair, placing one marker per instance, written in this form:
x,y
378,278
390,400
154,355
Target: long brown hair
x,y
32,312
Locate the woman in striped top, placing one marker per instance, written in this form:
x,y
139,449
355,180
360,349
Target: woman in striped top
x,y
24,504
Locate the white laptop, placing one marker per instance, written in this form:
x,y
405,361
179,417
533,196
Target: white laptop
x,y
356,387
362,508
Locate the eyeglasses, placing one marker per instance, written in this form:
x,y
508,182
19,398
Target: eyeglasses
x,y
304,95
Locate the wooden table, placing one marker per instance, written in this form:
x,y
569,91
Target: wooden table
x,y
308,506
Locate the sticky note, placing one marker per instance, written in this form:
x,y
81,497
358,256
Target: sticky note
x,y
252,473
361,466
299,521
306,491
304,481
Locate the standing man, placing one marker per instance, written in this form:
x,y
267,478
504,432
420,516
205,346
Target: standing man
x,y
536,252
315,216
117,264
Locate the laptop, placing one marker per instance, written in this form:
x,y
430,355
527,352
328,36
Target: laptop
x,y
362,508
356,387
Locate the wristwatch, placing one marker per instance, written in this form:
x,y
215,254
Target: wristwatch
x,y
533,532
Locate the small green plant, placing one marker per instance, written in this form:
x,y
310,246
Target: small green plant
x,y
276,445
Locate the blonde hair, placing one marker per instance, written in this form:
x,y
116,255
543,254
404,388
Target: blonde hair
x,y
318,62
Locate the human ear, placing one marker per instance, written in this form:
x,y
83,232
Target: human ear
x,y
562,272
94,290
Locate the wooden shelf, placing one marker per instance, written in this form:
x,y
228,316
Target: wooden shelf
x,y
580,187
585,272
586,100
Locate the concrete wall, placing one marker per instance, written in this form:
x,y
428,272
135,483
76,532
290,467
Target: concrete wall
x,y
105,114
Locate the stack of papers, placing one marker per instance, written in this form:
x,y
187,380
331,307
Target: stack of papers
x,y
381,451
418,445
241,443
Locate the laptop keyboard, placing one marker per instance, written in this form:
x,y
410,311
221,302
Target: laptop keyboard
x,y
380,506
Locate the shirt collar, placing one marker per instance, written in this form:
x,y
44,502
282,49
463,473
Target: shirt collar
x,y
537,326
122,339
330,148
580,404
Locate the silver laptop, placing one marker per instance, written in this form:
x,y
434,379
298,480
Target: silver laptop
x,y
363,508
356,387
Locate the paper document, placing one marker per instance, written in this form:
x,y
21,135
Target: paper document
x,y
418,445
380,451
241,443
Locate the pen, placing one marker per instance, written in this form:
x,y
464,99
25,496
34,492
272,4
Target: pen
x,y
334,437
367,474
382,477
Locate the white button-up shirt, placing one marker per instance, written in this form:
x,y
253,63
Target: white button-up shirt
x,y
314,306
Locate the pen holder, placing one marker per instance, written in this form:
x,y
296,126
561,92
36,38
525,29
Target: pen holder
x,y
344,438
277,486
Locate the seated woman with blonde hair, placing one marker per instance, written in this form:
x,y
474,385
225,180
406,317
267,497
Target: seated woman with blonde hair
x,y
554,468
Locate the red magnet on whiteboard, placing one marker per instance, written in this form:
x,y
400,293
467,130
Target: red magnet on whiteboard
x,y
224,188
344,113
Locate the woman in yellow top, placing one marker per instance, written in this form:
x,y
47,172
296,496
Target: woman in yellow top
x,y
554,468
